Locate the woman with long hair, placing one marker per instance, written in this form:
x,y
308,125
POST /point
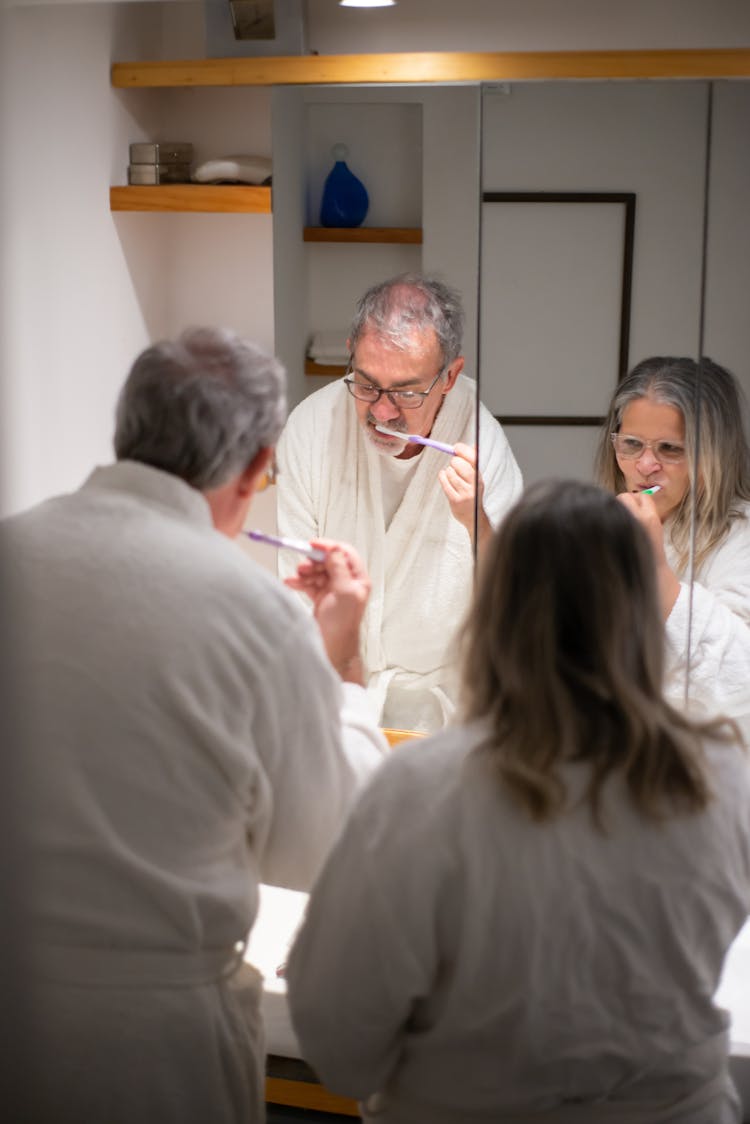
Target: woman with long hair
x,y
674,447
526,915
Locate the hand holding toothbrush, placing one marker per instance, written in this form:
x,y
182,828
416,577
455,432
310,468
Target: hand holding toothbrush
x,y
642,507
460,480
339,588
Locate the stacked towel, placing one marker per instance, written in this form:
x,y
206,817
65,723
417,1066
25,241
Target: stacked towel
x,y
234,169
328,348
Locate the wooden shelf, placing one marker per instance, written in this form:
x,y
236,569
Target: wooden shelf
x,y
290,1081
215,198
302,1094
405,234
436,66
313,368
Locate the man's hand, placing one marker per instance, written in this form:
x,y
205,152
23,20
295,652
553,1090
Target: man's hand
x,y
460,480
339,588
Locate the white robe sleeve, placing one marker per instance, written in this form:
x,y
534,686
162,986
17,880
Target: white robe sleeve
x,y
338,748
718,670
716,624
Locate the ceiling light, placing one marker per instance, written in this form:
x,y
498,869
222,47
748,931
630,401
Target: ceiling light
x,y
366,3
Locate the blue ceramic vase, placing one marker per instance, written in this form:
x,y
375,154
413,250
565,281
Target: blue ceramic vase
x,y
345,199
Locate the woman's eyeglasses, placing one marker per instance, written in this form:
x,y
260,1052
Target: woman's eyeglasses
x,y
630,448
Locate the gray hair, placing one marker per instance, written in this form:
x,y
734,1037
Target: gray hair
x,y
563,658
396,308
201,406
720,482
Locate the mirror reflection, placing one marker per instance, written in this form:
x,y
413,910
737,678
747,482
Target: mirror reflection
x,y
544,274
385,459
407,507
673,447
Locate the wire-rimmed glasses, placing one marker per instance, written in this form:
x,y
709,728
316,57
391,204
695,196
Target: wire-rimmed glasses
x,y
401,399
630,448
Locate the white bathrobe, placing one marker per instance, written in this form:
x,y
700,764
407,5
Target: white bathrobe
x,y
421,562
461,964
183,739
717,620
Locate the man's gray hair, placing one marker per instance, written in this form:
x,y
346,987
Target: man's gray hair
x,y
395,309
201,406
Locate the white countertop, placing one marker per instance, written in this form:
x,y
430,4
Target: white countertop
x,y
281,913
278,918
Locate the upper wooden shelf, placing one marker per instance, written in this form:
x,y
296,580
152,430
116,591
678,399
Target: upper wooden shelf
x,y
436,66
404,234
214,198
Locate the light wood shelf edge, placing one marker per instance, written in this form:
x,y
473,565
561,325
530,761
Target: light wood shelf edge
x,y
328,369
410,235
303,1094
213,198
436,66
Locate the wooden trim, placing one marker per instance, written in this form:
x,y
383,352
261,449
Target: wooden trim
x,y
627,283
624,198
405,234
547,419
215,198
313,368
436,66
305,1094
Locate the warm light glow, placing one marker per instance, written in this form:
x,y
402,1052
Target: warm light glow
x,y
366,3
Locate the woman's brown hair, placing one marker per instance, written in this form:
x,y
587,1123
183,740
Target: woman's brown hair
x,y
563,656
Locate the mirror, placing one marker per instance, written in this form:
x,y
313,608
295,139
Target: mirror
x,y
423,216
584,154
543,146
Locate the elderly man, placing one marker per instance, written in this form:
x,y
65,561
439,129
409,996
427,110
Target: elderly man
x,y
409,509
186,737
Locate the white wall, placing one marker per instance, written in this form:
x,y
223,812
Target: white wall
x,y
72,318
497,25
84,290
528,25
551,306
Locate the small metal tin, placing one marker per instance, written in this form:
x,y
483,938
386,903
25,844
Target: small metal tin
x,y
161,152
158,173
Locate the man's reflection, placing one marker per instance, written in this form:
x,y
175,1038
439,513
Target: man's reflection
x,y
675,448
408,508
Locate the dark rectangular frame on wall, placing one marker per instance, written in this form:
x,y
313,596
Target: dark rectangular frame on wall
x,y
625,199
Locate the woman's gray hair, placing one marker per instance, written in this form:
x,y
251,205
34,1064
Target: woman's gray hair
x,y
720,483
563,657
201,406
396,308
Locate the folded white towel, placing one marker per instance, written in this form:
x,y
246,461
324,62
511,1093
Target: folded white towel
x,y
328,347
237,169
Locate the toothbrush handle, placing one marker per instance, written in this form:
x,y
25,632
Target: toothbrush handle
x,y
439,445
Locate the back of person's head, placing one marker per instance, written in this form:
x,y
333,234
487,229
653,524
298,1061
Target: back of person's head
x,y
200,407
712,406
411,303
563,656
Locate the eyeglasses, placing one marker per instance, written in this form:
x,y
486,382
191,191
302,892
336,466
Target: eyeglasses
x,y
401,399
630,448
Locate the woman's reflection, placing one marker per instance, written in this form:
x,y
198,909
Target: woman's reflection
x,y
409,509
675,448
